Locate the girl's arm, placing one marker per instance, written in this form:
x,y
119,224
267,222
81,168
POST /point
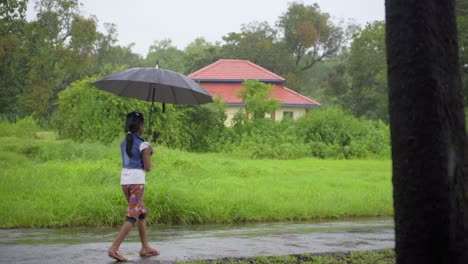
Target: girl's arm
x,y
146,155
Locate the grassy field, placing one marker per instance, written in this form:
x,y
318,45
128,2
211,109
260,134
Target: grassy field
x,y
52,183
386,256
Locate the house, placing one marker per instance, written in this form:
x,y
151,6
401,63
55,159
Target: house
x,y
225,78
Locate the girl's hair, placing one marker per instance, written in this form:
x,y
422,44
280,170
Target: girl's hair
x,y
132,125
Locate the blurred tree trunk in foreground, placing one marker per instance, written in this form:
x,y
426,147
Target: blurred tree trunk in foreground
x,y
427,131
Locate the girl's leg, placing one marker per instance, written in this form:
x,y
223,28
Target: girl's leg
x,y
130,191
127,226
142,232
145,247
124,230
113,251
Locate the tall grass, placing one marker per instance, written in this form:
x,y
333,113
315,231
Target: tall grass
x,y
54,183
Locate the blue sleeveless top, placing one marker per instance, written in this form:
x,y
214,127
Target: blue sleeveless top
x,y
136,161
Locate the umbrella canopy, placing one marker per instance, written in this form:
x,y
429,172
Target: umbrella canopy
x,y
154,85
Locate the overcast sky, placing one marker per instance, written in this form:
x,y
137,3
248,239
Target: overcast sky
x,y
144,21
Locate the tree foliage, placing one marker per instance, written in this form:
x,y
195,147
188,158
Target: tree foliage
x,y
12,16
12,57
369,72
56,17
256,42
200,53
166,55
337,84
257,99
309,34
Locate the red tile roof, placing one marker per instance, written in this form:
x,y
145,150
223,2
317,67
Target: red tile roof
x,y
235,70
225,78
289,97
229,92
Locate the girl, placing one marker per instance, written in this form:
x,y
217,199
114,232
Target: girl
x,y
136,160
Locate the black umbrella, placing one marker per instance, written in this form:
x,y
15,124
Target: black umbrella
x,y
154,85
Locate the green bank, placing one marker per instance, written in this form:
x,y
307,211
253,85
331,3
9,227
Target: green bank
x,y
385,256
46,182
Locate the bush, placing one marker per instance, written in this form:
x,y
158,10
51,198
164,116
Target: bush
x,y
331,133
23,128
197,128
87,114
325,133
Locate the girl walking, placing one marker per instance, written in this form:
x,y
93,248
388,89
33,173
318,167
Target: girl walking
x,y
136,161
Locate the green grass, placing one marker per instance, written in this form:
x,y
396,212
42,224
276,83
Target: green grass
x,y
46,182
386,256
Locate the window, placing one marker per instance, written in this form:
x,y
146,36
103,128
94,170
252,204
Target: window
x,y
289,114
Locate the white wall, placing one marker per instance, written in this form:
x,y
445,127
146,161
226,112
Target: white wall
x,y
297,112
230,112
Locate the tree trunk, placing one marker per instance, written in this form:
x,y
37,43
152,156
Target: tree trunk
x,y
427,131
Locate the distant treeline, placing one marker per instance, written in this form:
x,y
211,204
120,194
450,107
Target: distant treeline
x,y
335,63
340,65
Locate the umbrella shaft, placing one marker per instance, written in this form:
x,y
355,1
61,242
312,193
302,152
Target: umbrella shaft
x,y
150,117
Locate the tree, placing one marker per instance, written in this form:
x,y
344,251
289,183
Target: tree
x,y
368,72
61,47
166,55
111,57
430,186
256,97
81,49
253,43
56,17
200,53
13,72
12,14
83,35
12,58
337,85
52,66
310,35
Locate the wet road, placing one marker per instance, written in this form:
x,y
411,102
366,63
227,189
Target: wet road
x,y
181,243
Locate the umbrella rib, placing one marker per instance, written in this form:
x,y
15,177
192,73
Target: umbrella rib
x,y
173,94
149,93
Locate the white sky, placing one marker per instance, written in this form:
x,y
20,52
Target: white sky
x,y
144,21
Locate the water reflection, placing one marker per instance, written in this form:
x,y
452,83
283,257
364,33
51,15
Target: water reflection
x,y
161,233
